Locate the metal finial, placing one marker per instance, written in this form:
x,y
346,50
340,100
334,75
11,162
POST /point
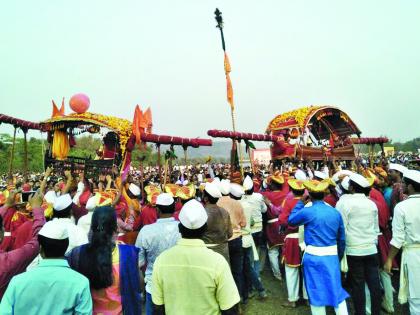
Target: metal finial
x,y
219,18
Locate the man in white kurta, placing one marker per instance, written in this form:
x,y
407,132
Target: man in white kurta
x,y
406,235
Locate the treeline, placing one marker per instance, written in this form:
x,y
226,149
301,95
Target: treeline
x,y
85,147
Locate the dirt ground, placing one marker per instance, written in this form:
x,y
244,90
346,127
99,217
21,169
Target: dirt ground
x,y
278,295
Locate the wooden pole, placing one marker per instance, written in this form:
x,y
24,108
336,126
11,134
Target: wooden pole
x,y
250,161
43,151
371,153
232,112
141,177
12,153
219,20
25,146
166,168
185,155
159,163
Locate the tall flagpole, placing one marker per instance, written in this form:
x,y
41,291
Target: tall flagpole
x,y
219,20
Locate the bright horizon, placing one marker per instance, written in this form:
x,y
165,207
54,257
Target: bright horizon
x,y
361,56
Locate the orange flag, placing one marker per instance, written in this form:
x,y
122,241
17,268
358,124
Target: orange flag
x,y
229,82
142,121
136,124
56,112
148,118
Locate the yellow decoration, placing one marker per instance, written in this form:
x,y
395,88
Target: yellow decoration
x,y
186,192
299,115
121,126
172,189
60,145
316,186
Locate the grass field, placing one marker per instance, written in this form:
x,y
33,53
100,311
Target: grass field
x,y
278,295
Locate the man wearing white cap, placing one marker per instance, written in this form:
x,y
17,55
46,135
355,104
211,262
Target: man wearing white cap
x,y
344,192
396,172
52,287
251,278
155,238
86,220
360,219
255,201
238,221
406,235
62,217
189,278
318,175
219,227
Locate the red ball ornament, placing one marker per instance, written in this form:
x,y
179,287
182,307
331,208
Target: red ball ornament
x,y
79,103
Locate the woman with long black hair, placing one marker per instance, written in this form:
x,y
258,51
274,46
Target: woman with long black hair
x,y
111,268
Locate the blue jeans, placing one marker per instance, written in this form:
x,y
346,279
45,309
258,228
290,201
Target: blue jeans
x,y
149,304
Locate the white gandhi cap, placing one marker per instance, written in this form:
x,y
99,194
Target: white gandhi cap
x,y
213,190
248,183
412,175
54,230
225,186
193,215
236,190
62,202
164,199
359,180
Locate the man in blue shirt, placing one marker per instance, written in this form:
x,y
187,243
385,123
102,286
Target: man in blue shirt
x,y
155,238
52,287
325,244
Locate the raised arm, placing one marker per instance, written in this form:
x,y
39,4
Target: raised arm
x,y
44,180
15,261
69,180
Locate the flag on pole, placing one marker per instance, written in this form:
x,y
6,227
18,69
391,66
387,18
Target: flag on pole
x,y
148,119
137,128
229,88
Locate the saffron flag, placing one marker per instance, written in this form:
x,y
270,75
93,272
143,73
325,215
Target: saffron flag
x,y
148,119
56,112
136,128
229,88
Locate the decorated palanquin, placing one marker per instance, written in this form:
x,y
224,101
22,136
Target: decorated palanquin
x,y
115,133
119,137
316,132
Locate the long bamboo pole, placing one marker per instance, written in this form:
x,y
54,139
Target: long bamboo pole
x,y
25,146
12,153
159,164
219,20
232,111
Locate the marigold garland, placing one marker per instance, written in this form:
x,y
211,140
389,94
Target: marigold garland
x,y
121,126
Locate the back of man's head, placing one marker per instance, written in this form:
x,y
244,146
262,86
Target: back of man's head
x,y
53,239
53,248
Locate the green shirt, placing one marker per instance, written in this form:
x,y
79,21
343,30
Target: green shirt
x,y
50,288
189,278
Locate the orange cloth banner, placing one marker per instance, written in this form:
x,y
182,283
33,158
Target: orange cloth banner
x,y
229,88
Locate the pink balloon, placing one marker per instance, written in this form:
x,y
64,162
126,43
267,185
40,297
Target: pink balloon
x,y
79,103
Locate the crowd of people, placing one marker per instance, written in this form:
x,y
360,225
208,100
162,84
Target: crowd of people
x,y
195,240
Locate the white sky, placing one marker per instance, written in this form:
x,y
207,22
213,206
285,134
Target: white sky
x,y
362,56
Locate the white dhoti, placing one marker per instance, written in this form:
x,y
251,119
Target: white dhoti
x,y
292,283
340,310
409,277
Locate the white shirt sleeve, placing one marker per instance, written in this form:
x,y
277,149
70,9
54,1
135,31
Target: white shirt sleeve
x,y
398,233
